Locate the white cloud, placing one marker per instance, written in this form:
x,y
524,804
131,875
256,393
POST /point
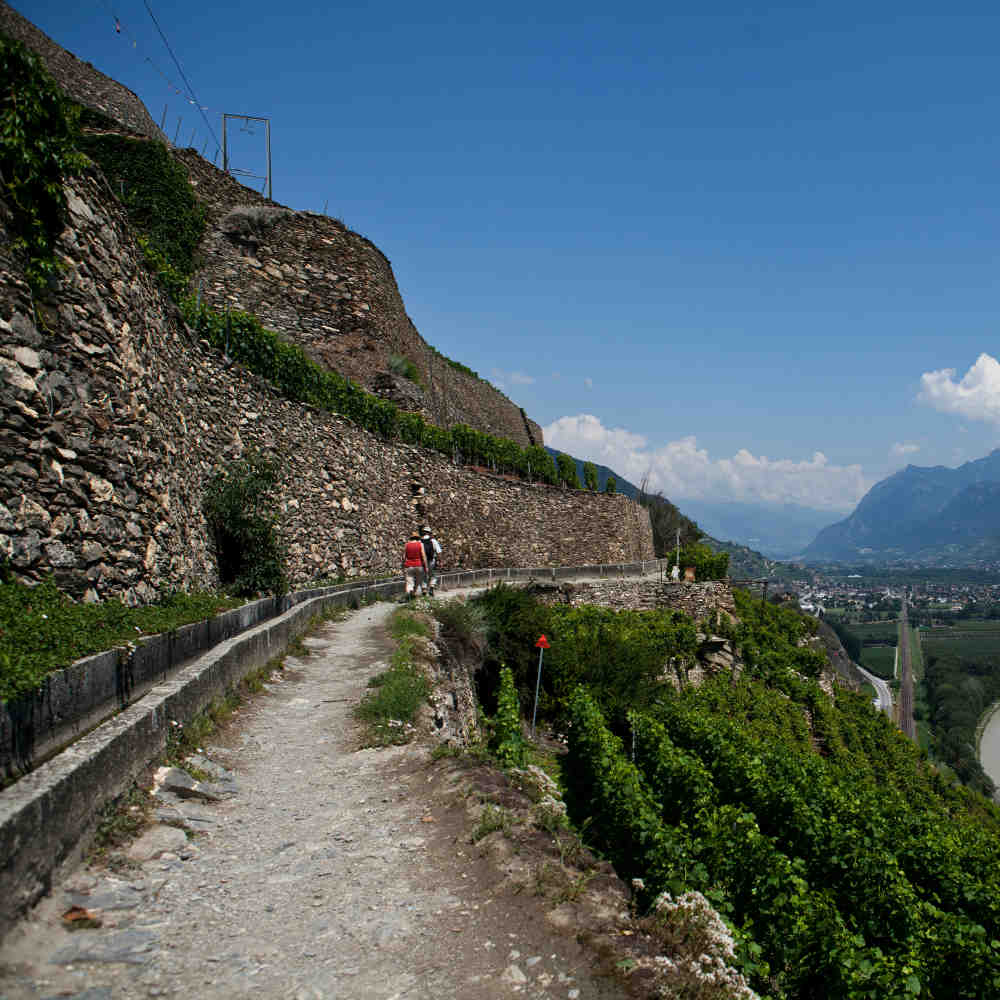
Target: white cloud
x,y
682,469
976,395
519,378
899,449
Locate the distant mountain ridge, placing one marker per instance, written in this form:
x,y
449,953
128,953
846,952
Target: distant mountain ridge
x,y
778,531
933,514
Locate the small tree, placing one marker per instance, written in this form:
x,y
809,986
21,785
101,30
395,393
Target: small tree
x,y
611,486
567,472
238,507
708,565
590,476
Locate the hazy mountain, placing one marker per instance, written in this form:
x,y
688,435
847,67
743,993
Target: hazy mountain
x,y
780,531
918,513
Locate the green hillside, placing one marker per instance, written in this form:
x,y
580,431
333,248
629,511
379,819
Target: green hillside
x,y
845,865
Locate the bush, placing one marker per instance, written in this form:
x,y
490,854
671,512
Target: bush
x,y
38,132
156,194
508,741
237,506
611,486
708,565
404,368
590,476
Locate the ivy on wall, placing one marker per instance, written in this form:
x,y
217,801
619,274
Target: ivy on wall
x,y
155,191
38,133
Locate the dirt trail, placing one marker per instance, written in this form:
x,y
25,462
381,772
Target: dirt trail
x,y
330,873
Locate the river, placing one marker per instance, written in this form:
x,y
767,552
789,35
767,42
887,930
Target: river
x,y
989,745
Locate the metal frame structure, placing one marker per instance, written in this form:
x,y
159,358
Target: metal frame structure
x,y
246,173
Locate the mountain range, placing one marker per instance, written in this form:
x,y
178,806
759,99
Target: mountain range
x,y
778,531
928,515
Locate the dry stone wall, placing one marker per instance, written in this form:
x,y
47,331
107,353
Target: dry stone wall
x,y
333,293
307,276
86,84
699,600
113,416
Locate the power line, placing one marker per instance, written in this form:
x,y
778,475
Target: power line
x,y
181,71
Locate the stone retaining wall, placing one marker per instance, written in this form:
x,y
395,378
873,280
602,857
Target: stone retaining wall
x,y
113,416
699,600
86,84
333,292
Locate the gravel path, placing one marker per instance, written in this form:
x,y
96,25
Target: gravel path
x,y
321,871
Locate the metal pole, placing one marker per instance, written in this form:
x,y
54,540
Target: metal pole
x,y
225,148
538,684
163,120
177,131
268,140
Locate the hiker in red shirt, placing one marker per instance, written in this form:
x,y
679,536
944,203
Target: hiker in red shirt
x,y
414,564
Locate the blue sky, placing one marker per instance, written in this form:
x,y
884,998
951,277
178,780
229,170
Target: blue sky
x,y
750,252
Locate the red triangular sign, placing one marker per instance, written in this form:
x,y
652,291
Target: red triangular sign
x,y
542,643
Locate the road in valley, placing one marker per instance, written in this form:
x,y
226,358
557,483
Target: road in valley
x,y
905,720
883,701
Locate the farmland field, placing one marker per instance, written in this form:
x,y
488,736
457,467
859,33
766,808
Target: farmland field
x,y
878,631
973,640
880,660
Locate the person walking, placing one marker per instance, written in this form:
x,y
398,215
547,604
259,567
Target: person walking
x,y
432,549
414,564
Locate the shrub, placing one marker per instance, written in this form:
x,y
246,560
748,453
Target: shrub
x,y
237,506
708,565
590,476
156,194
404,368
38,131
508,741
611,486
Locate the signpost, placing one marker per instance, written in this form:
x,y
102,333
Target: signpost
x,y
541,646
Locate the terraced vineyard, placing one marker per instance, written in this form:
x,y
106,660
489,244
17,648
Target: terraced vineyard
x,y
846,865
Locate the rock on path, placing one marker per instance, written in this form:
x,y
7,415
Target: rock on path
x,y
318,872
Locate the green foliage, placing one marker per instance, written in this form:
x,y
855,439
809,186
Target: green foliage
x,y
791,845
38,132
668,523
156,193
619,655
708,565
457,365
959,690
42,630
391,704
508,742
848,639
590,476
404,367
238,508
542,467
405,624
611,486
566,470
